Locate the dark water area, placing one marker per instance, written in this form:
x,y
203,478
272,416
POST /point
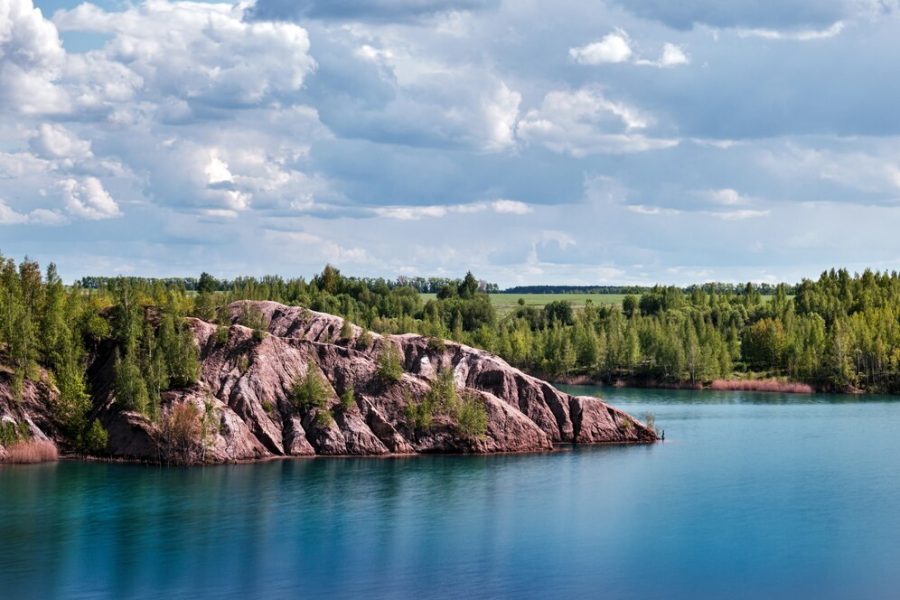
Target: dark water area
x,y
751,495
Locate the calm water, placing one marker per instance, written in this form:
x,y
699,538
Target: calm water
x,y
751,496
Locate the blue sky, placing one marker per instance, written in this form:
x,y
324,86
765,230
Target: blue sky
x,y
530,141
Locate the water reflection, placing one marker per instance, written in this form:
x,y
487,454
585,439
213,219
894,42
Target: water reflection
x,y
745,499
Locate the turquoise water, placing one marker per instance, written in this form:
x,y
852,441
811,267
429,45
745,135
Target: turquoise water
x,y
750,496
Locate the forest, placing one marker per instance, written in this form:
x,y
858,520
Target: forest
x,y
840,332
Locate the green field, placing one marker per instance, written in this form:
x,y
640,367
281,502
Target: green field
x,y
507,303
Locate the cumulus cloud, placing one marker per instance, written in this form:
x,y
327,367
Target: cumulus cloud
x,y
673,55
725,196
55,141
584,122
88,199
501,110
38,216
218,128
203,54
513,207
614,47
380,86
31,60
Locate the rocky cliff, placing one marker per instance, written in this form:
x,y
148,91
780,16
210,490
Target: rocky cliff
x,y
243,406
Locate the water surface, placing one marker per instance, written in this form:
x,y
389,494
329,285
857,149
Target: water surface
x,y
751,495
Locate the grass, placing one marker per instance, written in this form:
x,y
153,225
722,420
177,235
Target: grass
x,y
504,304
507,303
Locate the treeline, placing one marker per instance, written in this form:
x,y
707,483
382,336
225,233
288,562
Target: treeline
x,y
765,289
50,332
839,332
423,285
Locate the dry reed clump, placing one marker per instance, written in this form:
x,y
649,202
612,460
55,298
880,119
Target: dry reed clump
x,y
763,385
32,451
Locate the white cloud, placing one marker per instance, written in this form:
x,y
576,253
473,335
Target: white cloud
x,y
39,216
53,141
802,35
31,59
614,47
87,199
725,196
202,53
643,209
501,112
617,47
584,122
513,207
414,213
672,56
739,215
44,216
217,170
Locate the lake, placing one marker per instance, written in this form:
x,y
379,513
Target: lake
x,y
751,495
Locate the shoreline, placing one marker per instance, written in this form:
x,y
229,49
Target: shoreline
x,y
717,385
86,458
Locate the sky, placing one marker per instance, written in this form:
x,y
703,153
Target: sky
x,y
529,141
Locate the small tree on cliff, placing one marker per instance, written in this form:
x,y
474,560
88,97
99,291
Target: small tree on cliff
x,y
310,391
390,368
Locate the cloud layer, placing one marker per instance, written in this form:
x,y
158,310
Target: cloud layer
x,y
531,142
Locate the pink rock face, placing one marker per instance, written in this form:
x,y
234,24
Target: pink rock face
x,y
243,405
30,412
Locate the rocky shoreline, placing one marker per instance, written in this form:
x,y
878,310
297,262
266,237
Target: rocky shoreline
x,y
243,405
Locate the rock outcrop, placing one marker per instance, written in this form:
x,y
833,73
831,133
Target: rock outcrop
x,y
26,416
243,405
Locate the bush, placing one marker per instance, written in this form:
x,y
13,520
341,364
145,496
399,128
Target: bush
x,y
419,414
221,335
96,438
390,369
471,416
365,340
436,344
323,418
181,428
12,432
348,400
311,391
251,316
346,330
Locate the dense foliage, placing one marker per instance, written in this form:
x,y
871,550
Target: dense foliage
x,y
839,332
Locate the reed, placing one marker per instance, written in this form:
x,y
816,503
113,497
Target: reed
x,y
31,451
761,385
